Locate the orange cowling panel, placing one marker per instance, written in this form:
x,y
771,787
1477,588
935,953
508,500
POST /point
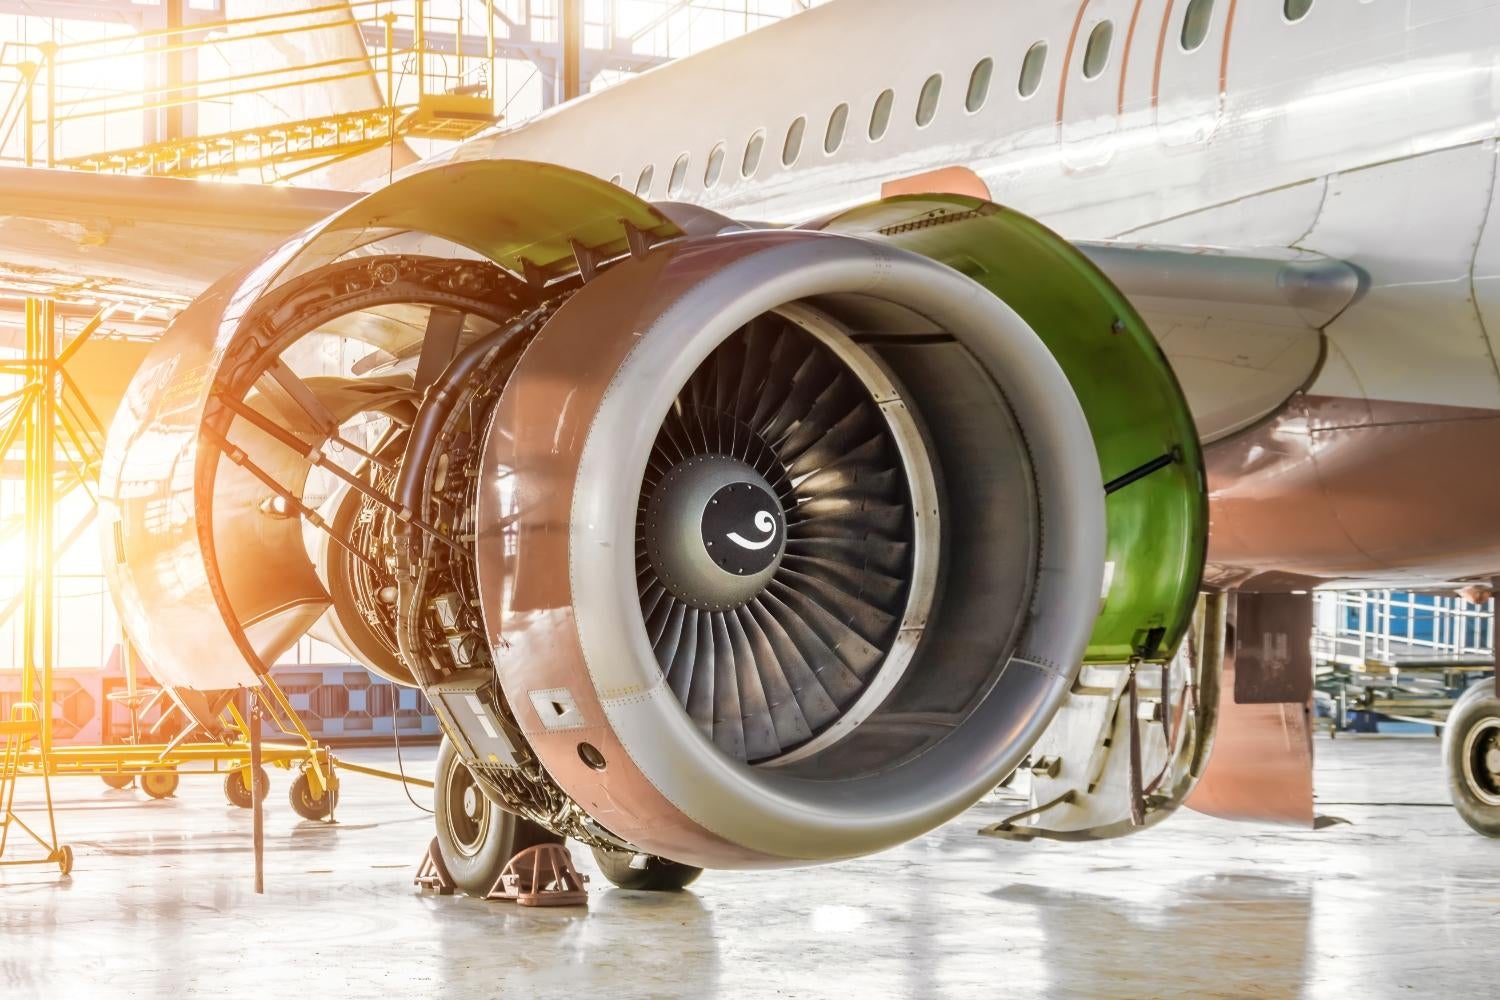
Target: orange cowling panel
x,y
948,180
1261,768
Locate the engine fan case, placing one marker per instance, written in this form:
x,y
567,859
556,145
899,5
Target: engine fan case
x,y
565,455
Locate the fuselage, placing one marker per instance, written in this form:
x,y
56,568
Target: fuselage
x,y
1364,131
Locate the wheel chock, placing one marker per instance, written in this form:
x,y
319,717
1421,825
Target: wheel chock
x,y
541,876
432,875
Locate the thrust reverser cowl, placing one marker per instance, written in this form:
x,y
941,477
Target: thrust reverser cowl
x,y
783,546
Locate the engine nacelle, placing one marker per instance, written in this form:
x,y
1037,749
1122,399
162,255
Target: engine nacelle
x,y
745,548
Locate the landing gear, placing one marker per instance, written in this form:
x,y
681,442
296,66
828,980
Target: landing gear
x,y
238,792
310,804
1471,754
160,783
475,836
644,872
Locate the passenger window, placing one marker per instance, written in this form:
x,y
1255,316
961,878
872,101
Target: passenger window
x,y
792,148
837,122
715,166
979,85
880,116
1031,69
751,161
1195,23
643,186
927,103
1096,55
678,180
1296,10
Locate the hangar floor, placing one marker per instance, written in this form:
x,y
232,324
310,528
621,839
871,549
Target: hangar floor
x,y
1402,902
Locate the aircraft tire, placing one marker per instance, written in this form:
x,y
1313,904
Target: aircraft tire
x,y
1471,754
476,837
656,875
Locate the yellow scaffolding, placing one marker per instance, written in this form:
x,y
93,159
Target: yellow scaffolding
x,y
50,417
27,734
447,104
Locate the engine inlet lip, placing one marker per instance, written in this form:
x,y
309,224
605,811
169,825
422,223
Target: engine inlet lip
x,y
734,815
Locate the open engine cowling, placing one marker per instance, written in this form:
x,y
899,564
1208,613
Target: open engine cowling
x,y
740,547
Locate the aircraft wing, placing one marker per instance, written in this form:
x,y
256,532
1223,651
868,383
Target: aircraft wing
x,y
145,242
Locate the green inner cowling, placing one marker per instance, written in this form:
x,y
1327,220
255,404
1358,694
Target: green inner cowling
x,y
1158,525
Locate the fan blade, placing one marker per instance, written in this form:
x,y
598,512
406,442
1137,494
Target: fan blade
x,y
791,369
658,626
755,712
791,725
751,388
834,676
856,579
853,430
811,380
700,691
883,485
874,453
728,721
846,625
847,519
882,555
671,636
652,599
834,406
812,698
680,672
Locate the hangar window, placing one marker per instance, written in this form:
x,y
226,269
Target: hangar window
x,y
678,180
979,84
753,148
1296,10
1031,69
1195,23
792,148
928,101
643,186
837,122
880,115
1096,55
715,166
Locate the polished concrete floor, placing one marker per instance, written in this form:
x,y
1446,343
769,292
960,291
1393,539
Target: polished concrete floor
x,y
1405,901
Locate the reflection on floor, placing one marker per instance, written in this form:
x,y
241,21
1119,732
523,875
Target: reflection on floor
x,y
1403,902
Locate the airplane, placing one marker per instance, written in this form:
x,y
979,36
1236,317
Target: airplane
x,y
759,461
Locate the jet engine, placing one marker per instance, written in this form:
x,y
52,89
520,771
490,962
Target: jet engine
x,y
736,546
